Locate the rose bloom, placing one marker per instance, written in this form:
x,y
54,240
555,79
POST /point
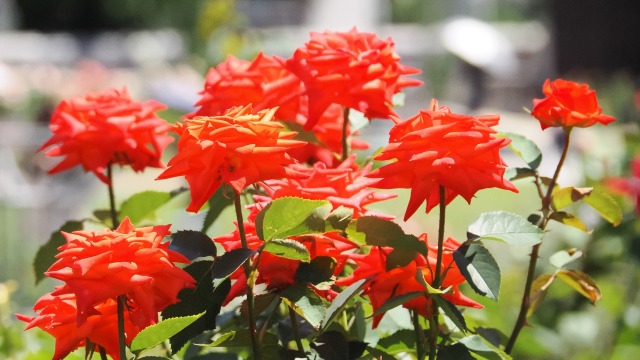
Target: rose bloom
x,y
568,104
263,82
107,128
439,148
57,316
328,133
629,186
128,261
346,185
238,148
383,284
354,69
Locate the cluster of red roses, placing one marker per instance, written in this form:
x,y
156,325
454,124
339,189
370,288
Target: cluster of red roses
x,y
234,138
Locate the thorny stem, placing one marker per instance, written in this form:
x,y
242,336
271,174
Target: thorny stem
x,y
247,271
521,321
112,198
345,133
437,279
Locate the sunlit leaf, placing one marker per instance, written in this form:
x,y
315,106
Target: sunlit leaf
x,y
582,283
340,302
564,197
288,249
289,216
605,205
192,244
564,257
479,268
143,205
306,303
45,257
539,289
158,333
526,149
504,226
569,220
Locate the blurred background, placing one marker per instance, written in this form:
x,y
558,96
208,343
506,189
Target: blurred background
x,y
477,56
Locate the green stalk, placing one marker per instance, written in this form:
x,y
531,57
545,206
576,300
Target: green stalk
x,y
437,279
248,272
546,214
296,331
121,300
112,198
420,340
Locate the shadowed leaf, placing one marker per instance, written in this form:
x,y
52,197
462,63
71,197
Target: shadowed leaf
x,y
45,257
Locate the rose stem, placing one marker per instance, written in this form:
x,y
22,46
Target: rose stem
x,y
296,331
437,281
345,134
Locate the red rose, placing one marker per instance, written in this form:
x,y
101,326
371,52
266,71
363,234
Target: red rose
x,y
238,148
108,128
264,82
568,104
439,148
384,284
57,316
103,265
354,69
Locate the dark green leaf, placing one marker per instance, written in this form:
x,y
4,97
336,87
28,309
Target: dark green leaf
x,y
534,219
241,338
288,249
568,219
399,257
103,215
518,173
306,303
289,216
356,349
378,231
204,297
582,283
339,219
526,149
155,334
45,257
229,262
396,301
479,268
451,311
192,244
331,345
340,302
319,270
401,340
507,227
605,205
217,203
480,346
143,205
456,351
377,354
260,303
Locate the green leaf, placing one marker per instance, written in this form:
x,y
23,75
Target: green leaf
x,y
377,354
479,268
582,283
306,303
564,257
396,301
229,262
340,302
192,244
143,205
204,297
241,338
539,289
158,333
289,216
354,235
45,257
518,173
455,351
288,249
331,345
428,288
319,270
339,219
401,340
564,197
217,203
569,220
605,205
451,311
504,226
526,149
478,345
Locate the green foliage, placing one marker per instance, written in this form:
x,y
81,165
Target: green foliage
x,y
506,227
231,261
288,249
340,302
290,216
217,203
306,303
45,257
192,244
605,205
158,333
479,269
526,149
143,205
